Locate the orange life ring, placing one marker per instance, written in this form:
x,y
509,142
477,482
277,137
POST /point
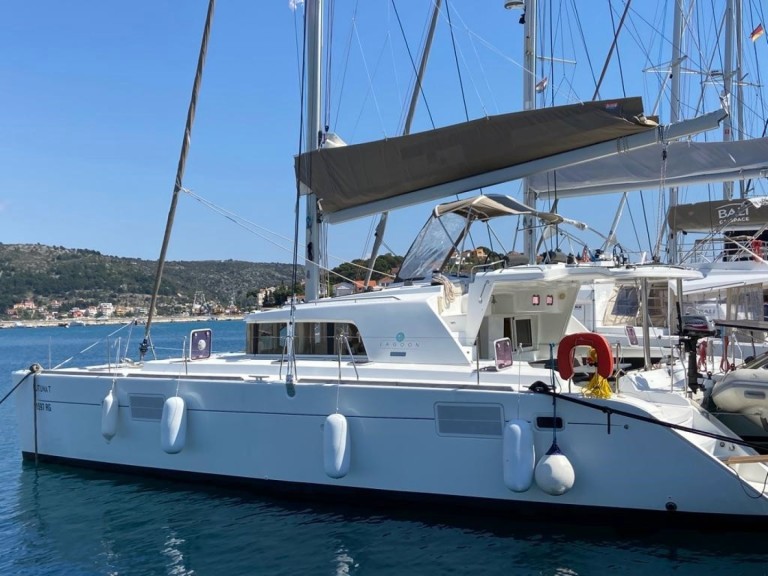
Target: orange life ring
x,y
596,341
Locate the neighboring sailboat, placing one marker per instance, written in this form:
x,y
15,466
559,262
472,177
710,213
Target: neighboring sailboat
x,y
442,387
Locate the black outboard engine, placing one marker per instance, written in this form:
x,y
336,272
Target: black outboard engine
x,y
690,342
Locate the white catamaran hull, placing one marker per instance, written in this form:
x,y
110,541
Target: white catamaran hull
x,y
400,440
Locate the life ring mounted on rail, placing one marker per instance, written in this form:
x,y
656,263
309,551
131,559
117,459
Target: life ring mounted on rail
x,y
571,341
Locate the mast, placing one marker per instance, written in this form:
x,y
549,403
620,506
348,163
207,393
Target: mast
x,y
739,85
177,187
314,240
529,103
673,247
728,86
674,112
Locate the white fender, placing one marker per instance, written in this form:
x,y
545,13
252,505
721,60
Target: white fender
x,y
554,472
173,425
336,446
519,455
110,408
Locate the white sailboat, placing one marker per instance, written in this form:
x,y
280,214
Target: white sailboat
x,y
440,388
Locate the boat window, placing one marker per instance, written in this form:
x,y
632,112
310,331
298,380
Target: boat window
x,y
627,302
520,331
433,246
311,338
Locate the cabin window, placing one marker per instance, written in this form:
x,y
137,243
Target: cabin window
x,y
627,302
311,338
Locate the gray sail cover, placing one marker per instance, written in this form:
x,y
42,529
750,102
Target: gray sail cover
x,y
686,163
356,175
739,214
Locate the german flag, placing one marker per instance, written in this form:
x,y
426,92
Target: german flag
x,y
757,32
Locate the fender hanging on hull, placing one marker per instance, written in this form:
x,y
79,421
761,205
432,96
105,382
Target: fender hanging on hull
x,y
336,446
173,425
110,408
519,455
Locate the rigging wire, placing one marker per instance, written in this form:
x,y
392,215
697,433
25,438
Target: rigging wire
x,y
261,232
551,56
474,40
370,91
618,49
647,228
413,64
328,82
348,52
614,44
584,41
456,61
295,262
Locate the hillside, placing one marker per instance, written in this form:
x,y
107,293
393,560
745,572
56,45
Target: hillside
x,y
80,278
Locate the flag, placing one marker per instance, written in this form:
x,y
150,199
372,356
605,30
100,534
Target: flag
x,y
757,32
541,85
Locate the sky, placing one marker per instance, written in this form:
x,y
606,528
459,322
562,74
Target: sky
x,y
94,98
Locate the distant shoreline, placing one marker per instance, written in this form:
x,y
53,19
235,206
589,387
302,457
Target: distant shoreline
x,y
84,322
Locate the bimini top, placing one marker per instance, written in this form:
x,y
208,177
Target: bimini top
x,y
489,206
448,226
358,180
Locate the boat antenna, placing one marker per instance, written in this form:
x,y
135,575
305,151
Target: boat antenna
x,y
177,187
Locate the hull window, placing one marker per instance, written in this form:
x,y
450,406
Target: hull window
x,y
469,420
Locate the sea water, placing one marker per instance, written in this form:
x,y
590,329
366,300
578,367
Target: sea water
x,y
56,520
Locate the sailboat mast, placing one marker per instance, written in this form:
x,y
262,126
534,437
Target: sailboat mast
x,y
529,103
739,84
673,247
728,86
314,246
674,113
177,187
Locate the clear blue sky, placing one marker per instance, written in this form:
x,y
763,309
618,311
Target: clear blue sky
x,y
94,96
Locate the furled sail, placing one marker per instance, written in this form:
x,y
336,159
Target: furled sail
x,y
686,163
361,179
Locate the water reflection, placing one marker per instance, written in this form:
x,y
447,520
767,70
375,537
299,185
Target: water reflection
x,y
81,522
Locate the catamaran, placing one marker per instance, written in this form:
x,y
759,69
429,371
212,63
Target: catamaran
x,y
452,385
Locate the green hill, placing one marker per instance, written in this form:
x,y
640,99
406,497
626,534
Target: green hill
x,y
76,277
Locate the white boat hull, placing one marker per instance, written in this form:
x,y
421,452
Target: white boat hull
x,y
428,440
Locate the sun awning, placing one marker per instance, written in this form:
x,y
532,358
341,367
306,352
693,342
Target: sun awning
x,y
686,163
374,174
491,206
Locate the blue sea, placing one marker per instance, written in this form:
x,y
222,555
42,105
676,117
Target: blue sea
x,y
62,521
